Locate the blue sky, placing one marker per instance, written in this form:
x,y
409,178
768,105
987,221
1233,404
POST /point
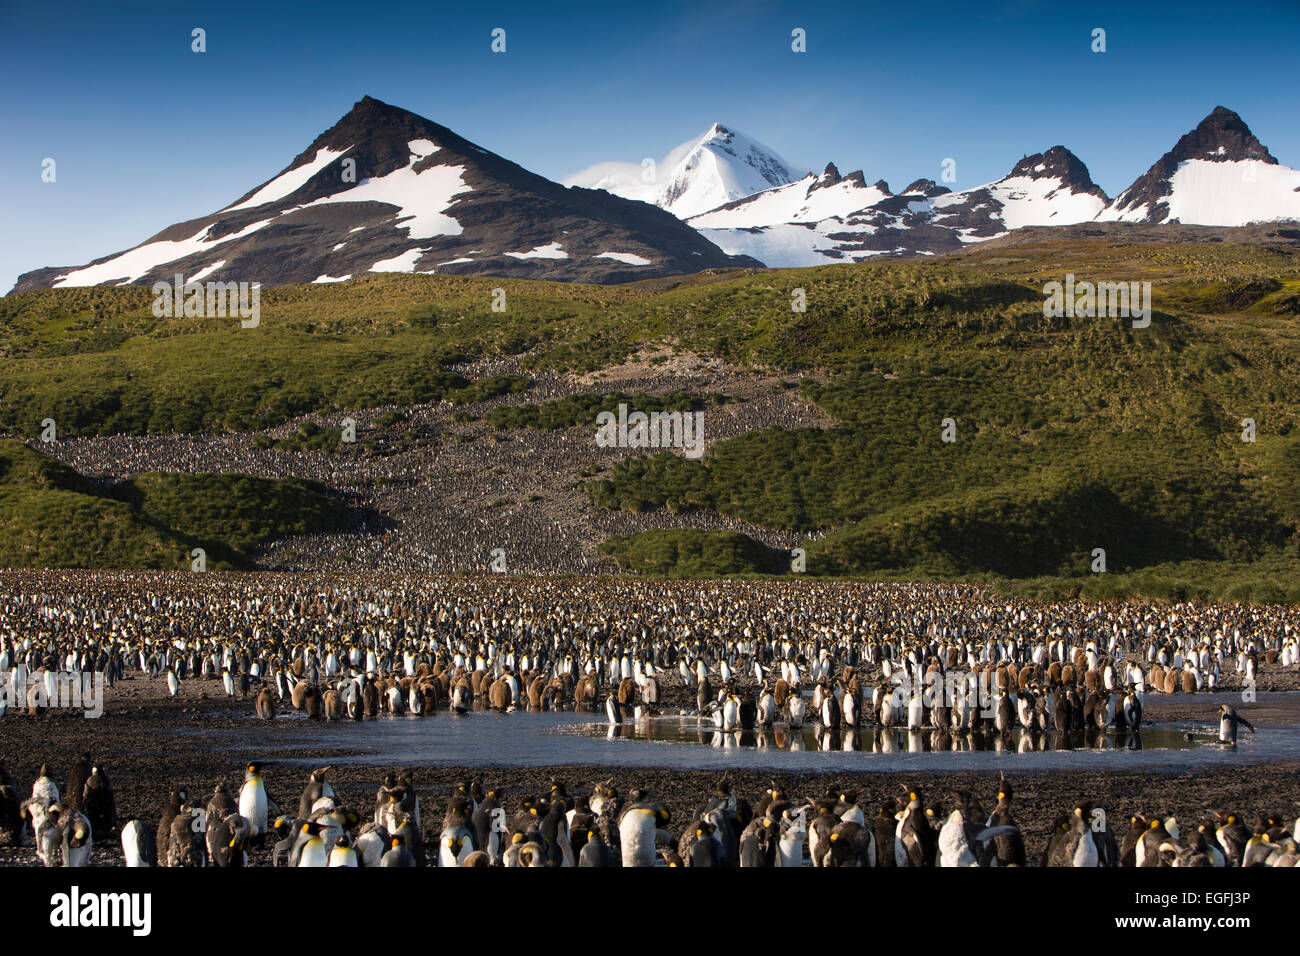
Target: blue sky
x,y
146,133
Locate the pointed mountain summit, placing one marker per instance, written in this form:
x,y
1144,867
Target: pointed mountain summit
x,y
833,218
386,190
1218,174
718,167
1062,165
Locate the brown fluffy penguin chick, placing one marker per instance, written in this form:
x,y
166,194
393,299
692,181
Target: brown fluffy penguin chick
x,y
265,705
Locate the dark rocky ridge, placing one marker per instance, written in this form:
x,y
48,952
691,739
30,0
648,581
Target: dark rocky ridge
x,y
1221,137
1058,162
508,210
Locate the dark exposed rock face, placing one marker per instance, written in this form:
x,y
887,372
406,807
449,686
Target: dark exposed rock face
x,y
1221,137
498,206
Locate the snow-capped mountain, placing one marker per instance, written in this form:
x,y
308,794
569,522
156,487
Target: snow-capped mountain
x,y
385,190
717,168
1219,174
829,218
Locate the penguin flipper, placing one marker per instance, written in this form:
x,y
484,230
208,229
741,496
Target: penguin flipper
x,y
992,833
1246,723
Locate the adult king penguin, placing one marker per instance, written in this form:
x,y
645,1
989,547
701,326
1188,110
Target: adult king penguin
x,y
1229,720
253,803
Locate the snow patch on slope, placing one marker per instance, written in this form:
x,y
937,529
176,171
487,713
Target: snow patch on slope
x,y
797,202
624,257
1223,194
134,263
788,245
421,198
207,271
288,182
1027,201
551,250
403,262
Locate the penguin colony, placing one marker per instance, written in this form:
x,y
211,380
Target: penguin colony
x,y
480,827
741,652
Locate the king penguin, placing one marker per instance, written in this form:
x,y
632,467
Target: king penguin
x,y
253,803
1229,720
138,845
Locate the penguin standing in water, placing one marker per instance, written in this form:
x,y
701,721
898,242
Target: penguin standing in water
x,y
1131,710
795,710
1229,720
253,803
703,693
613,710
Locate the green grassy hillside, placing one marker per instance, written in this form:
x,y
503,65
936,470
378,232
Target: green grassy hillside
x,y
53,517
1071,433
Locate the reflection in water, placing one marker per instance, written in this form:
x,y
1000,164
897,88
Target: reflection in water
x,y
678,730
